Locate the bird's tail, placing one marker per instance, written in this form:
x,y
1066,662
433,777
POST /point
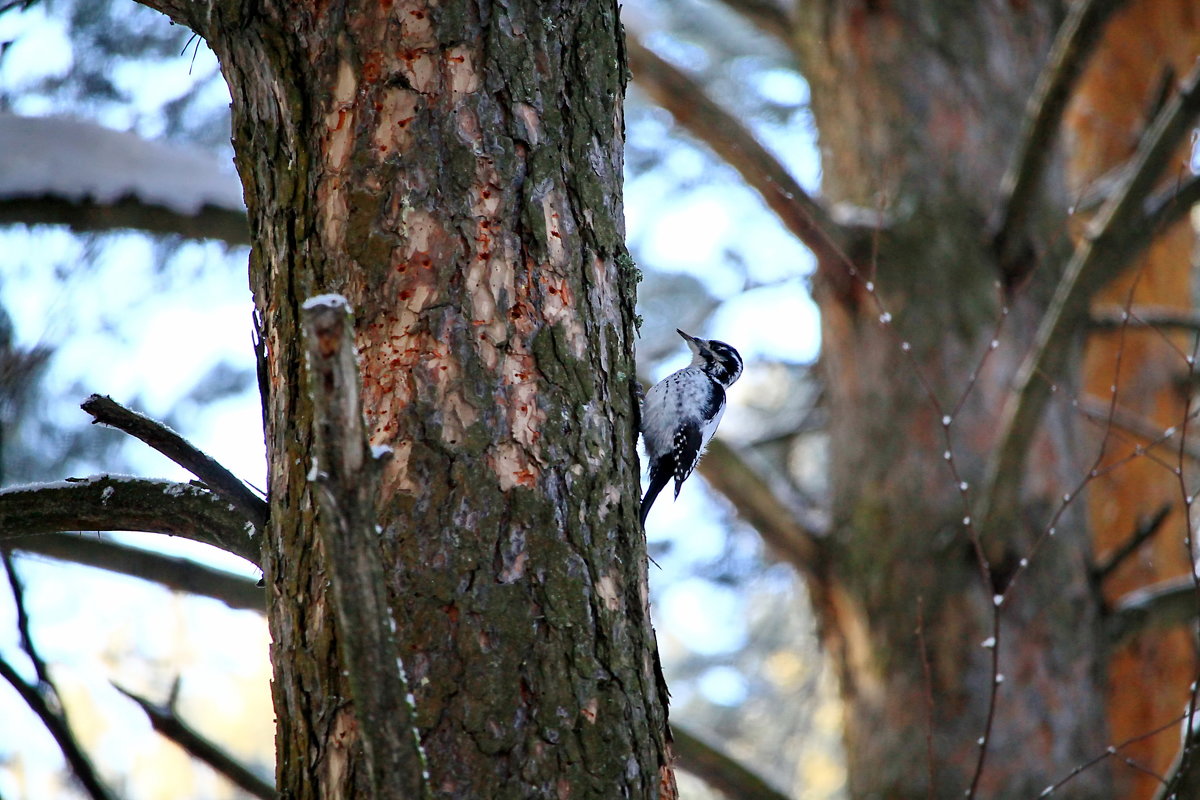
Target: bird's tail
x,y
658,479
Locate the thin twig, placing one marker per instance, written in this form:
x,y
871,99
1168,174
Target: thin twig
x,y
1140,536
1184,779
44,701
1073,44
57,725
1111,750
993,694
1114,238
691,107
18,593
723,773
164,720
124,503
107,411
927,675
174,573
1138,426
344,487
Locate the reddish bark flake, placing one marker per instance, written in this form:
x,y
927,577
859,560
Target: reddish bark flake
x,y
372,68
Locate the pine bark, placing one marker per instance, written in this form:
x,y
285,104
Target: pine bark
x,y
454,170
1147,47
918,106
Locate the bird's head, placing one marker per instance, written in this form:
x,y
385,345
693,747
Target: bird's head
x,y
716,359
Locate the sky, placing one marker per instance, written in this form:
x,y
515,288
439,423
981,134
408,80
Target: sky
x,y
124,322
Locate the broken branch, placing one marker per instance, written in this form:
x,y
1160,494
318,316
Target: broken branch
x,y
107,411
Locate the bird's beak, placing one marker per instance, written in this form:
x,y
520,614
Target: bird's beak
x,y
692,341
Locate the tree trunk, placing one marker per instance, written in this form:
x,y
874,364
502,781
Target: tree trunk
x,y
454,170
1148,46
918,107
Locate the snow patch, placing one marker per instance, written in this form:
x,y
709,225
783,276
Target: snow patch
x,y
76,160
334,300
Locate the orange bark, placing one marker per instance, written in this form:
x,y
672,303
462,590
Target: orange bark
x,y
1116,98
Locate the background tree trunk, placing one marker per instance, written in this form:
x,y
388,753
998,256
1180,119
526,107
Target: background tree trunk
x,y
918,106
454,170
1146,49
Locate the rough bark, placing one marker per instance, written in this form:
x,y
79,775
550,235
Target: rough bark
x,y
918,106
1146,44
454,170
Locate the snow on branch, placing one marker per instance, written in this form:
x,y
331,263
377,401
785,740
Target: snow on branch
x,y
124,503
75,173
345,482
106,411
1117,234
1109,319
1168,604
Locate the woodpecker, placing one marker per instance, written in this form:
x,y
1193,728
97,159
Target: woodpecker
x,y
681,413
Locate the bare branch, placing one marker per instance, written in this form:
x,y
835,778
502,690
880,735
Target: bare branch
x,y
780,526
1183,778
18,593
117,502
1138,426
1143,317
719,771
1164,605
164,720
44,701
1141,535
345,492
1113,239
736,145
209,222
1072,45
1169,205
107,411
177,574
57,725
766,15
193,14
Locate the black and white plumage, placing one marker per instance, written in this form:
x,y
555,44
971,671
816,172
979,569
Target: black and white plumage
x,y
681,413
